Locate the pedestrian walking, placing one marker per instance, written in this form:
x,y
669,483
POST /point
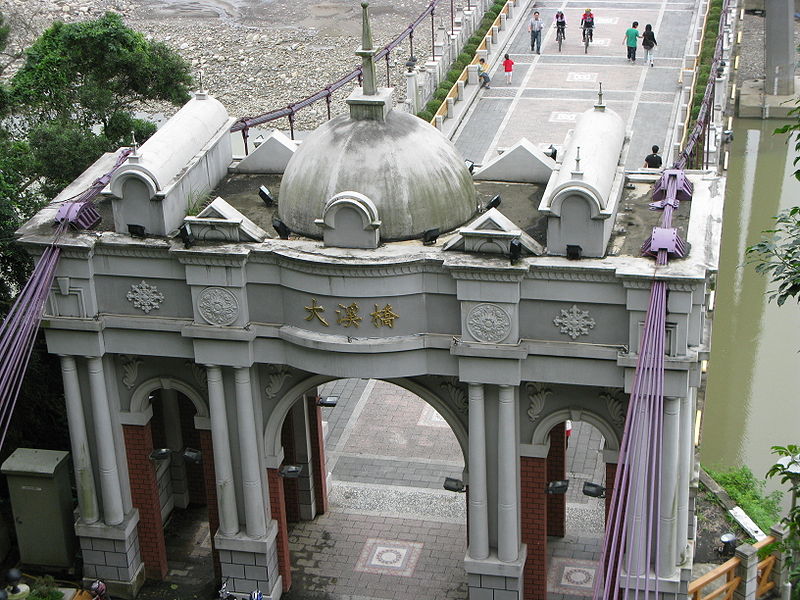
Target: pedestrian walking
x,y
483,74
649,43
508,67
631,35
653,161
535,26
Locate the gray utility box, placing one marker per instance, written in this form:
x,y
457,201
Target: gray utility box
x,y
41,498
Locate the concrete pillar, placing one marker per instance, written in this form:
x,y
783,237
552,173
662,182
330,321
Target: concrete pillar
x,y
174,438
106,453
318,460
557,470
747,569
79,442
302,457
255,518
412,91
139,445
667,519
210,482
685,460
223,469
611,475
781,53
635,559
507,476
477,501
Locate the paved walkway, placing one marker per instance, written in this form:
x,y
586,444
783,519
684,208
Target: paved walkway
x,y
392,531
550,90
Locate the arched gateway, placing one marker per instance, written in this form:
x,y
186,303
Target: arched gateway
x,y
507,327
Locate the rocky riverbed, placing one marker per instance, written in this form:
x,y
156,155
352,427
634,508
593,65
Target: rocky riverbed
x,y
254,55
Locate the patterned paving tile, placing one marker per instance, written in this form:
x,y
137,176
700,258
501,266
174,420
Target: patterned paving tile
x,y
571,576
389,557
431,418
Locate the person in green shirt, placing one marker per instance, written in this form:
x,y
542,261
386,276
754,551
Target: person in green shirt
x,y
631,35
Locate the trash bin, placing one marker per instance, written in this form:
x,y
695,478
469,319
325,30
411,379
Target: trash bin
x,y
41,499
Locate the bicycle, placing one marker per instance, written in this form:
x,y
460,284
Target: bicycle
x,y
560,36
588,34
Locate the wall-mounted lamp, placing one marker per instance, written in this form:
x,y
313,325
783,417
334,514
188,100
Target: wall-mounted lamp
x,y
327,401
557,487
451,484
594,490
266,196
192,455
160,454
290,471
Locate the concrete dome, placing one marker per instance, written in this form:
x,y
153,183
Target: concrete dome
x,y
411,172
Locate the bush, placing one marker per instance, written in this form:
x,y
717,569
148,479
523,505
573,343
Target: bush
x,y
44,588
441,93
748,492
425,115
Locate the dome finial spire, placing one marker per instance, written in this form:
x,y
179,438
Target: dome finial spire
x,y
367,52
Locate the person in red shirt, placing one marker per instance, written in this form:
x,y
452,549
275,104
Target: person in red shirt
x,y
508,66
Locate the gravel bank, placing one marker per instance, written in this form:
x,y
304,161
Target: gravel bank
x,y
753,52
255,55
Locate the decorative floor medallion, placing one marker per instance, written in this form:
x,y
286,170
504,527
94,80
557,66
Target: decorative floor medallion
x,y
389,557
571,576
431,418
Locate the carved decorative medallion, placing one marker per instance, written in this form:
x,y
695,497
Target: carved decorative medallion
x,y
130,370
457,394
574,322
537,397
488,323
218,306
145,297
617,405
277,377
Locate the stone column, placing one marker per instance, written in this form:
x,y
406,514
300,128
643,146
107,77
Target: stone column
x,y
634,560
412,91
172,432
318,458
223,469
307,503
667,519
106,453
478,504
507,481
557,470
255,518
685,460
79,442
781,53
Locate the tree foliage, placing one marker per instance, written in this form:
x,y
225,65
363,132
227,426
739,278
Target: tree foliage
x,y
778,255
787,468
793,129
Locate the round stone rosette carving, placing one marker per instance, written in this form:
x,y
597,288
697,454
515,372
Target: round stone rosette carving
x,y
218,306
488,323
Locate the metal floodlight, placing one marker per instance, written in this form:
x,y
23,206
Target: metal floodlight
x,y
160,454
470,165
186,235
728,547
263,193
574,252
430,236
137,230
594,490
13,577
451,484
281,228
327,401
514,250
552,152
290,471
192,455
558,487
727,136
494,202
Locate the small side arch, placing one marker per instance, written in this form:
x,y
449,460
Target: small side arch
x,y
140,399
272,432
547,422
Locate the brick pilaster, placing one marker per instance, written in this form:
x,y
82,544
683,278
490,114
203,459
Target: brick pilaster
x,y
210,482
318,455
557,470
611,474
144,492
277,503
290,492
533,475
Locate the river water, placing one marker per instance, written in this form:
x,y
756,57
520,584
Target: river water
x,y
753,390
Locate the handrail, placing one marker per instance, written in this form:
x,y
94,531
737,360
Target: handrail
x,y
695,71
728,569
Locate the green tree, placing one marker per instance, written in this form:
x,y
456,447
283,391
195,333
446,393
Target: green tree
x,y
787,468
778,256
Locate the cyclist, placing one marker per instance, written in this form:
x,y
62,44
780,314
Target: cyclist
x,y
587,23
561,23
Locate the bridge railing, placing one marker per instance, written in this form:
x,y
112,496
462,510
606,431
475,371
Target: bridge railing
x,y
730,576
